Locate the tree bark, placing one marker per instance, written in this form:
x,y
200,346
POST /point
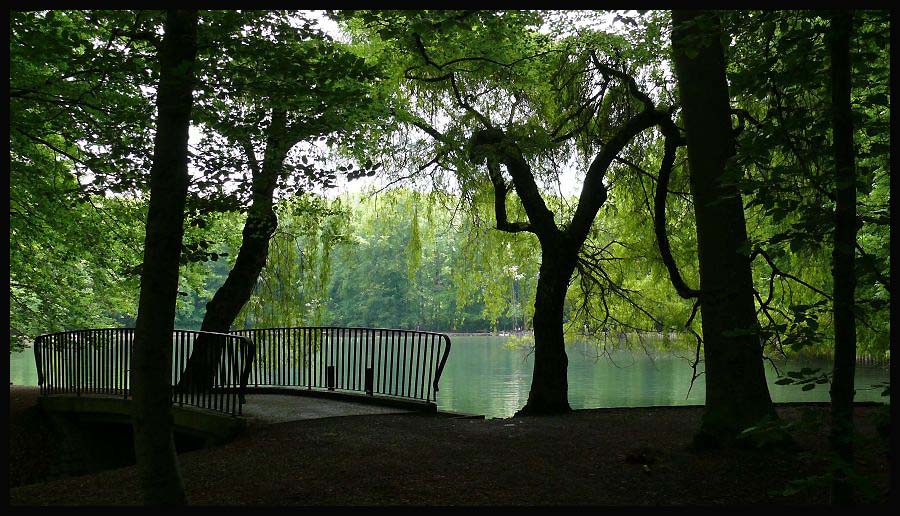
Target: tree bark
x,y
152,352
549,393
737,395
230,298
843,258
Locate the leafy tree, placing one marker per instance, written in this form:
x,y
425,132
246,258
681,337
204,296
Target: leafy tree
x,y
77,144
293,286
75,90
70,255
454,63
784,106
791,114
463,278
151,360
736,391
274,87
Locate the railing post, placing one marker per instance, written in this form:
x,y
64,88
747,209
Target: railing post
x,y
127,340
309,369
440,369
369,381
329,377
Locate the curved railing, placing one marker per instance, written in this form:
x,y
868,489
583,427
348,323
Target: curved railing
x,y
379,362
372,361
98,361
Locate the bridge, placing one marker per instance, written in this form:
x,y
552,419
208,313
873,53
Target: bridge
x,y
88,371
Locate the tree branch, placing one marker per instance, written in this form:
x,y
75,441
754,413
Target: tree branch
x,y
593,191
500,191
775,270
627,79
485,121
659,222
493,144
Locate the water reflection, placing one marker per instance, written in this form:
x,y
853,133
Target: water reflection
x,y
491,376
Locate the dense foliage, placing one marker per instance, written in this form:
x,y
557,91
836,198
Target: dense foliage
x,y
81,91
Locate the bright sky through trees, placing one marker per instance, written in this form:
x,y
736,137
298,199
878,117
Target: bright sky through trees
x,y
569,179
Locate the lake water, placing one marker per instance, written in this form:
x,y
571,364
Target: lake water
x,y
484,375
491,376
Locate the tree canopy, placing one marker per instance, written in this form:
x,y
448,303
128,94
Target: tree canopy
x,y
82,87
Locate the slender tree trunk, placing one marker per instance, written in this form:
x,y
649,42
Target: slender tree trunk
x,y
736,392
152,357
230,298
843,256
549,392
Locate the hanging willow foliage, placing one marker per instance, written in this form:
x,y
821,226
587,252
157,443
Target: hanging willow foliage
x,y
292,288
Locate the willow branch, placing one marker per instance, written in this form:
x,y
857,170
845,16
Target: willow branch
x,y
637,168
500,191
593,191
627,79
468,107
659,222
696,361
777,271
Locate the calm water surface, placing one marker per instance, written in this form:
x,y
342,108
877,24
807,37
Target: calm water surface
x,y
484,375
491,376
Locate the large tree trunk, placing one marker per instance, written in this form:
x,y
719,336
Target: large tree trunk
x,y
152,356
843,257
549,392
736,392
230,298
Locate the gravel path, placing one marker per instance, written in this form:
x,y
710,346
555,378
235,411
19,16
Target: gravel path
x,y
594,457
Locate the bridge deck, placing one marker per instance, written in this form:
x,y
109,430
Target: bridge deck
x,y
278,408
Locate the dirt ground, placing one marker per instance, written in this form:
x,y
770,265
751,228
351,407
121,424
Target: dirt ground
x,y
634,456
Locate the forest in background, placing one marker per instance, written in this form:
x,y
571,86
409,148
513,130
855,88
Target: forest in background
x,y
400,259
406,259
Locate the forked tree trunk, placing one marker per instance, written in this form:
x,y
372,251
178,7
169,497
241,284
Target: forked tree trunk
x,y
154,447
737,395
559,247
843,257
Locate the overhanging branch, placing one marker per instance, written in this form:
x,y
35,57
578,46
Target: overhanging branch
x,y
659,222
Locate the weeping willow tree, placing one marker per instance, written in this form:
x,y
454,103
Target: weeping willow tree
x,y
293,287
414,260
497,268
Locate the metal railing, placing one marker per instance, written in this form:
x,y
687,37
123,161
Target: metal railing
x,y
98,361
373,361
